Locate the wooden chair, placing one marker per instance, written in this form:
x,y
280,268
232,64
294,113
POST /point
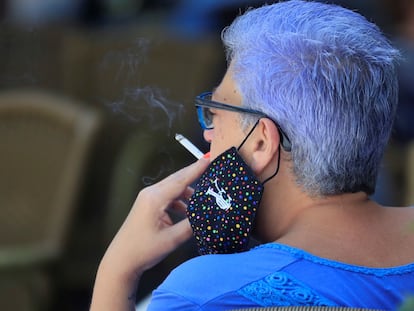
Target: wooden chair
x,y
44,145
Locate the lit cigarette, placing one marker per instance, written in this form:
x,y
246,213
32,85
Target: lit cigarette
x,y
189,146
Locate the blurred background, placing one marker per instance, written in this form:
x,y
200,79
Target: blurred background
x,y
91,95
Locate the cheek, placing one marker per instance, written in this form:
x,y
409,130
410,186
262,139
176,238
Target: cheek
x,y
221,137
217,145
226,134
218,141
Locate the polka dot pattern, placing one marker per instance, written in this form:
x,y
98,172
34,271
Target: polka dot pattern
x,y
222,209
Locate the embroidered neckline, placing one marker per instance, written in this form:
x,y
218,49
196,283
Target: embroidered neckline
x,y
282,289
301,254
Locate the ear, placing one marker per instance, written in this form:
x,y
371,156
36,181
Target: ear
x,y
266,145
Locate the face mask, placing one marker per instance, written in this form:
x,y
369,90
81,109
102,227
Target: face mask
x,y
223,207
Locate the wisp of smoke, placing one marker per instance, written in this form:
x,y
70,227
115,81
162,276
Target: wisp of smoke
x,y
148,105
144,104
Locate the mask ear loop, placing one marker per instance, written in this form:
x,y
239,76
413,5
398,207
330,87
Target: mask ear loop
x,y
277,169
278,156
247,136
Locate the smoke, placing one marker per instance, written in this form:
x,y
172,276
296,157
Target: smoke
x,y
147,105
164,168
128,61
165,164
147,108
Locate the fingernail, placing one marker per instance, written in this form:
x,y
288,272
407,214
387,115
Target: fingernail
x,y
206,155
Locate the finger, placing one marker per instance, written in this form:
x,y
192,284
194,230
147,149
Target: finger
x,y
176,184
179,207
178,233
188,193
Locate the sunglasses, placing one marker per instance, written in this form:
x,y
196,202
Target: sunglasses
x,y
204,103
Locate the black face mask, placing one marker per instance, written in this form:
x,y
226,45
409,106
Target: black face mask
x,y
223,207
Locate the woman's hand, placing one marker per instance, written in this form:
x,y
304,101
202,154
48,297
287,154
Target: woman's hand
x,y
146,237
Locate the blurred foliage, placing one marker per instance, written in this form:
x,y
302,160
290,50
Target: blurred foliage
x,y
408,304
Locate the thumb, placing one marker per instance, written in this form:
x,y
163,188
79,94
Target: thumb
x,y
181,179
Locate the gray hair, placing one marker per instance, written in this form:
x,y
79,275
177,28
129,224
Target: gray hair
x,y
327,76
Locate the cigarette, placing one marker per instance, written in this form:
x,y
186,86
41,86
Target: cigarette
x,y
189,146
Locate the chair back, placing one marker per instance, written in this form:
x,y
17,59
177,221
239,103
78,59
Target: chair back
x,y
44,143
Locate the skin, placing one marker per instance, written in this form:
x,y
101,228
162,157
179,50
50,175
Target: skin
x,y
348,228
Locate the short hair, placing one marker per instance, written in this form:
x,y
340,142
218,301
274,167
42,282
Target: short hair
x,y
328,77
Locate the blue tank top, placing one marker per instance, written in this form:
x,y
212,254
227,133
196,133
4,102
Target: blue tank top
x,y
279,275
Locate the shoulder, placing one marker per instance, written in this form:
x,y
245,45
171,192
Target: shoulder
x,y
260,259
398,223
198,278
276,274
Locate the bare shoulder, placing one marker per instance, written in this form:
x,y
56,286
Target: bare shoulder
x,y
385,238
401,215
399,222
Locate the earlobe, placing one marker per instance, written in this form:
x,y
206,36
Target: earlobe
x,y
266,148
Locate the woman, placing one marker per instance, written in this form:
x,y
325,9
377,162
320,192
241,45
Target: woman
x,y
305,109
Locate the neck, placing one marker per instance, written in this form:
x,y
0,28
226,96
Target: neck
x,y
285,206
